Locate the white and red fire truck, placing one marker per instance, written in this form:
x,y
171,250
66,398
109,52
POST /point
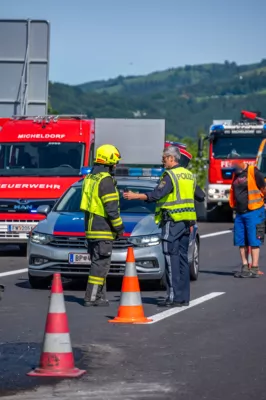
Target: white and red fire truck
x,y
39,159
228,141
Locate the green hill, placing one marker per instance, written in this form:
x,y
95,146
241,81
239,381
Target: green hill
x,y
188,98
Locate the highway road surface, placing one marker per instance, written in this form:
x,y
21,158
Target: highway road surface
x,y
213,350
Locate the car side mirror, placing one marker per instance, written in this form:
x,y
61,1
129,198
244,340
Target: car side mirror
x,y
44,210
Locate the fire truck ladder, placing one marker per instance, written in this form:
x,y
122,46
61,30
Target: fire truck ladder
x,y
49,118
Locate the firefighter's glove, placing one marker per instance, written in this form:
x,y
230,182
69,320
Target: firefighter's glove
x,y
119,234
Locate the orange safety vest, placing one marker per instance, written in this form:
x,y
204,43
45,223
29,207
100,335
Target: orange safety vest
x,y
255,196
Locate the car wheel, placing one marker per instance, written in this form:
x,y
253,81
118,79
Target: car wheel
x,y
194,266
38,283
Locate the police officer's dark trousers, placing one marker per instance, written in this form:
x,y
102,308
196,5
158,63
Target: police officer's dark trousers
x,y
175,241
100,252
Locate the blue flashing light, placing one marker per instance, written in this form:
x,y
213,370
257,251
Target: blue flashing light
x,y
85,170
217,127
33,211
264,127
139,172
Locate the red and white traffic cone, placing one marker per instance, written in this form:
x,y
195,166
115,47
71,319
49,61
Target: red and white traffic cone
x,y
57,357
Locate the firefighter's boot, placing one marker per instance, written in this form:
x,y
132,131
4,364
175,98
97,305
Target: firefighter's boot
x,y
95,296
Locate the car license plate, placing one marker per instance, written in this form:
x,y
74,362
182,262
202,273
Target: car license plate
x,y
79,258
20,228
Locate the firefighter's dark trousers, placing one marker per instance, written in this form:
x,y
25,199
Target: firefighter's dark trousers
x,y
175,241
100,252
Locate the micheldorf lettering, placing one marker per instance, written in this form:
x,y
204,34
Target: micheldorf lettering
x,y
29,186
41,136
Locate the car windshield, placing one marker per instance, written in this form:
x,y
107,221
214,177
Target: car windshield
x,y
236,147
70,202
41,159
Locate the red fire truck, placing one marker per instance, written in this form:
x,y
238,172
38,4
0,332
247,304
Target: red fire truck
x,y
228,141
40,157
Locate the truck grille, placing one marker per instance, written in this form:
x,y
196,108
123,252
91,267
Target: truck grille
x,y
4,234
24,206
79,242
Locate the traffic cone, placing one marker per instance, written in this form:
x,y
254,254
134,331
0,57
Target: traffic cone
x,y
130,309
250,261
57,357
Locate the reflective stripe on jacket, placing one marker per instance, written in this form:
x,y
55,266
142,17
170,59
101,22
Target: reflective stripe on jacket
x,y
255,195
179,204
99,223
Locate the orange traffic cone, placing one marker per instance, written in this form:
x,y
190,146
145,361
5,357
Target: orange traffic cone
x,y
57,356
250,261
130,309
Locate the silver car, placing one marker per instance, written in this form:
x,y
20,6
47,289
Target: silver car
x,y
57,244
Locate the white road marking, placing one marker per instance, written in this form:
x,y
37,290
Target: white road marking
x,y
17,271
214,234
169,313
21,271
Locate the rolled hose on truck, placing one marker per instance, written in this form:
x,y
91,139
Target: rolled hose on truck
x,y
2,289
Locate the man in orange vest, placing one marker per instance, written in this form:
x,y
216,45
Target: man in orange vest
x,y
247,198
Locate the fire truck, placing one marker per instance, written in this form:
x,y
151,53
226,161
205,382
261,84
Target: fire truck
x,y
40,157
228,141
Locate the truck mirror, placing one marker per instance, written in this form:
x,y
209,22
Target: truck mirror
x,y
200,147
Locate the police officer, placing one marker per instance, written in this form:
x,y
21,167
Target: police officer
x,y
175,212
100,202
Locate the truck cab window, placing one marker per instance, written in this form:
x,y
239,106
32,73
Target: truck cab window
x,y
91,155
41,158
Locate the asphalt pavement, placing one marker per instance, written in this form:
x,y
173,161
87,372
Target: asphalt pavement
x,y
213,350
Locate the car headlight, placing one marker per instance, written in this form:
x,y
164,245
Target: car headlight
x,y
150,240
40,238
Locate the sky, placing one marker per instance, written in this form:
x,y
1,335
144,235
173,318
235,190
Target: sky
x,y
101,39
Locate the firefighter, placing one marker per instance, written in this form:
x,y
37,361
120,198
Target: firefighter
x,y
103,224
247,198
175,213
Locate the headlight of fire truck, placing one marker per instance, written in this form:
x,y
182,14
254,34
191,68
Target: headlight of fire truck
x,y
212,191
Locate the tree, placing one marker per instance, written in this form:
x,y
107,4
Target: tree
x,y
197,165
51,111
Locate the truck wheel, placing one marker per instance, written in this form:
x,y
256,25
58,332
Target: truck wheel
x,y
194,266
38,283
212,215
23,248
